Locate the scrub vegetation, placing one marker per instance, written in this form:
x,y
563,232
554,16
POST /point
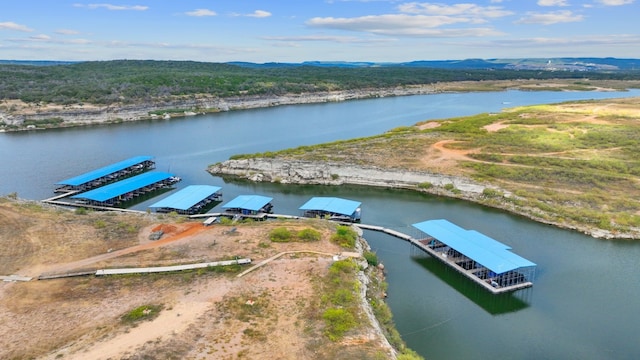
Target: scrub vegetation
x,y
136,81
302,305
573,164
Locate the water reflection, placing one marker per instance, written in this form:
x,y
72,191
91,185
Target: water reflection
x,y
494,304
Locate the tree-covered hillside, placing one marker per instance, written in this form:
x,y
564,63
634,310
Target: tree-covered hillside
x,y
131,81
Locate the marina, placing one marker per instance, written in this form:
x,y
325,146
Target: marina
x,y
557,319
125,190
480,258
105,175
190,200
248,206
332,208
485,261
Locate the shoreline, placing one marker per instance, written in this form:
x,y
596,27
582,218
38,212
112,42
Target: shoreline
x,y
16,115
38,117
321,173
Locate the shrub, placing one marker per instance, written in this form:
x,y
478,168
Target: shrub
x,y
488,192
281,234
225,220
345,237
425,185
338,322
371,257
81,211
144,312
309,234
343,266
408,354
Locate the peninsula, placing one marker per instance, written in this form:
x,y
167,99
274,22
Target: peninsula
x,y
572,165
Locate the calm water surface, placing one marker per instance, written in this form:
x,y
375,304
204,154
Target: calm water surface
x,y
583,304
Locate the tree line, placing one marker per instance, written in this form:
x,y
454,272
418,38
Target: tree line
x,y
134,81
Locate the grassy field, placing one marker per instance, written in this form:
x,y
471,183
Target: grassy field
x,y
572,164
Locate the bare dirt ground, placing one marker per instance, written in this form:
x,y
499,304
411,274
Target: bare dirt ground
x,y
444,158
271,312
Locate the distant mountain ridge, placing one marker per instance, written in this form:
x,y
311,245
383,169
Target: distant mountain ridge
x,y
551,64
548,64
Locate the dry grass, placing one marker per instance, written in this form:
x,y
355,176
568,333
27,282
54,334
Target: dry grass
x,y
269,313
573,164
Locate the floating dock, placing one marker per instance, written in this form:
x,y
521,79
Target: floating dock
x,y
190,200
480,258
332,208
248,206
127,189
106,175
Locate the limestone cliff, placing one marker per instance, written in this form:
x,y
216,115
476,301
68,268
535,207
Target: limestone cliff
x,y
324,173
15,114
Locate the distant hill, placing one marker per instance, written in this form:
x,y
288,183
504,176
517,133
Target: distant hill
x,y
36,62
550,64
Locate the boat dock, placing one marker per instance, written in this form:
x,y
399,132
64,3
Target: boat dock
x,y
127,189
255,207
190,200
478,257
332,208
106,175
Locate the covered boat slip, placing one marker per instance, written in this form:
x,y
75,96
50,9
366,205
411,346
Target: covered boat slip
x,y
107,174
249,206
190,200
127,189
488,262
333,208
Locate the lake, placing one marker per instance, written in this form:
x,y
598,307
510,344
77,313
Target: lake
x,y
583,304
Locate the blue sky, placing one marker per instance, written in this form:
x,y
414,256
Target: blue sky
x,y
329,30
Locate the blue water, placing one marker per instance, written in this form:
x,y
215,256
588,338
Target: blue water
x,y
584,301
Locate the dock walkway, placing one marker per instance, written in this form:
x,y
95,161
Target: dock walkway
x,y
449,261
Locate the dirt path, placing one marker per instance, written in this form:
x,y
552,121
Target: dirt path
x,y
171,322
185,231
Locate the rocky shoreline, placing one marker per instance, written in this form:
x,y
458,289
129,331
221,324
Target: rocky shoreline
x,y
325,173
85,114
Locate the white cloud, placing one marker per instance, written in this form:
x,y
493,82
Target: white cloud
x,y
8,25
615,2
328,38
41,37
67,32
113,7
588,41
201,12
255,14
453,10
402,25
260,14
553,3
550,18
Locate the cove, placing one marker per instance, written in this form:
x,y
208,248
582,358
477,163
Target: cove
x,y
583,302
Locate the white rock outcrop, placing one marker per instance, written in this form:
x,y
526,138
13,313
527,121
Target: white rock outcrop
x,y
324,173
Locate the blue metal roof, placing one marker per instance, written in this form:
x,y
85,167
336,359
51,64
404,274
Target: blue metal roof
x,y
332,204
486,251
248,202
187,197
122,187
98,173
